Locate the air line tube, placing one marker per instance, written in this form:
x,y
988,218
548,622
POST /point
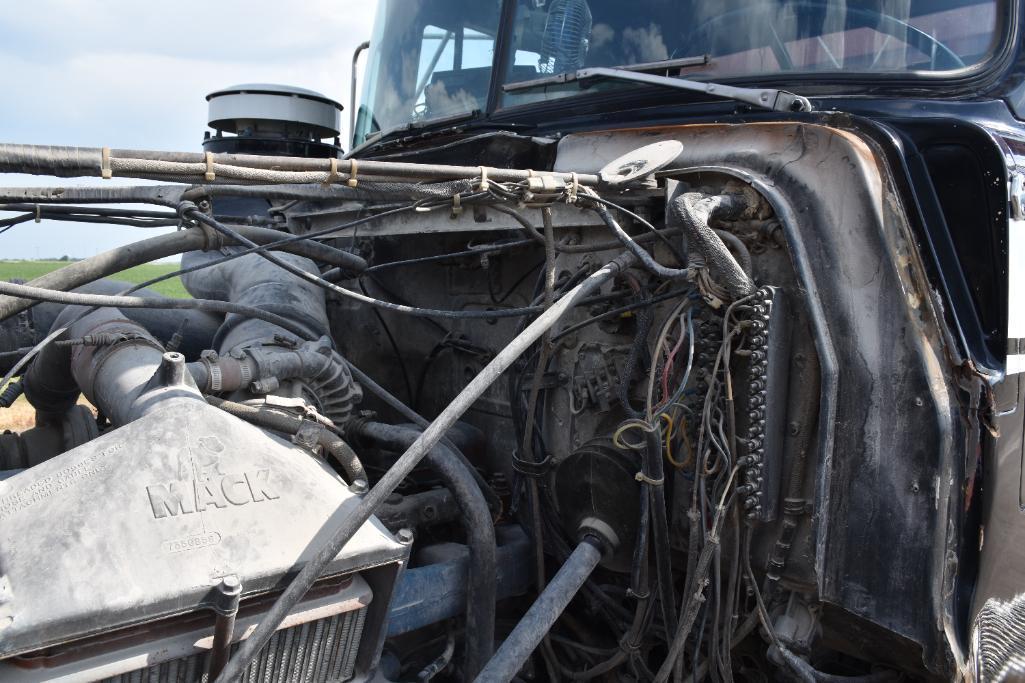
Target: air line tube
x,y
541,616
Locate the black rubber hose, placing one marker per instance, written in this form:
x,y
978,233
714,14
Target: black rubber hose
x,y
542,615
118,259
389,399
481,584
289,424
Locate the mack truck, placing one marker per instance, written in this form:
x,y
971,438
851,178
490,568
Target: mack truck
x,y
623,341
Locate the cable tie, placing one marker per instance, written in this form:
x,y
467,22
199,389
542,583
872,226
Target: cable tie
x,y
38,217
105,172
574,188
645,479
628,647
332,173
209,175
484,184
457,207
353,181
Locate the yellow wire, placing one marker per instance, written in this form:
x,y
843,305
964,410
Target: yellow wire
x,y
617,436
669,443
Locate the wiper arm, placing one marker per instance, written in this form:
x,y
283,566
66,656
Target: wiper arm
x,y
766,98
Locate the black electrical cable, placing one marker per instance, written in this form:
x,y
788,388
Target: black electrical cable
x,y
674,248
194,213
395,350
478,251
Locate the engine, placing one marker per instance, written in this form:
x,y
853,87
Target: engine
x,y
626,414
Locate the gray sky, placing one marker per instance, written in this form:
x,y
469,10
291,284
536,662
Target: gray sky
x,y
132,74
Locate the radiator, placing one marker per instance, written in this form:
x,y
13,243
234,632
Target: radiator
x,y
322,651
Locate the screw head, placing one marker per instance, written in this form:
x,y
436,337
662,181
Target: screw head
x,y
359,487
404,536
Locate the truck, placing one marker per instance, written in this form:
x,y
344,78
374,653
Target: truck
x,y
628,341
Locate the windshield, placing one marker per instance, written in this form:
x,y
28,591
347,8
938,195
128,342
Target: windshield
x,y
432,59
428,59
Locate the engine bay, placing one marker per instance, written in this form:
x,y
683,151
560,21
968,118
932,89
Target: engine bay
x,y
646,404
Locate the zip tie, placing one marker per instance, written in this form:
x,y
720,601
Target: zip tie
x,y
574,188
332,174
353,182
457,206
209,175
105,171
38,217
484,184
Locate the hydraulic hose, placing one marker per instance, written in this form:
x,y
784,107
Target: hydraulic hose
x,y
290,424
193,239
337,538
541,616
480,533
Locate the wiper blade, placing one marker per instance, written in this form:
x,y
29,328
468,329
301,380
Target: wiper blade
x,y
765,98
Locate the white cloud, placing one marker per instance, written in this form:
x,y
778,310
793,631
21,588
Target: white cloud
x,y
131,74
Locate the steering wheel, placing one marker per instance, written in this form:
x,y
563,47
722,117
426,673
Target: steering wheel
x,y
719,35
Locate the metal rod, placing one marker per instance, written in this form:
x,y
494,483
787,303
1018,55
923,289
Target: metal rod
x,y
352,92
229,593
542,615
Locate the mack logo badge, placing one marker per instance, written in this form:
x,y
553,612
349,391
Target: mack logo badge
x,y
194,495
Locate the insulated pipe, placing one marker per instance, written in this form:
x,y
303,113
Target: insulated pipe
x,y
335,539
480,533
541,616
692,211
89,161
118,259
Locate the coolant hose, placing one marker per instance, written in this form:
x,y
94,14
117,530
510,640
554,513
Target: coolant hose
x,y
541,616
480,532
161,246
289,424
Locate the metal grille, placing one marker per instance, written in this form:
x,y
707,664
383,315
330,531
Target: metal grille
x,y
322,651
999,641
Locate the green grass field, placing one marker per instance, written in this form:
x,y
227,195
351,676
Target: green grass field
x,y
27,270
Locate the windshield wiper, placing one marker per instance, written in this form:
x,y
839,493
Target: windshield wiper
x,y
766,98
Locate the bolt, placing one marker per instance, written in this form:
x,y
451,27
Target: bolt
x,y
359,487
404,536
